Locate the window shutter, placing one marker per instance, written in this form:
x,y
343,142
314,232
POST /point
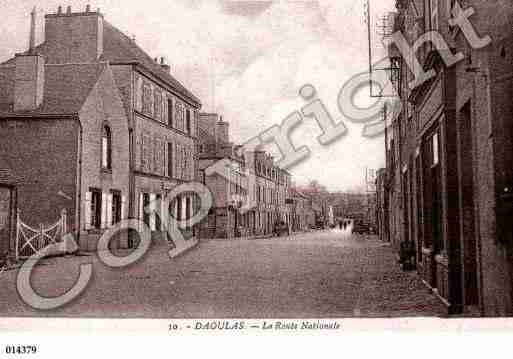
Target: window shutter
x,y
152,100
141,206
164,107
163,213
184,207
138,93
170,112
177,161
87,211
104,210
152,214
123,207
109,211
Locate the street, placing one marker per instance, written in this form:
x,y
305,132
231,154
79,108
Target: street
x,y
330,274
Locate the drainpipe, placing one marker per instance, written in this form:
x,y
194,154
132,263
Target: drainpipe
x,y
78,216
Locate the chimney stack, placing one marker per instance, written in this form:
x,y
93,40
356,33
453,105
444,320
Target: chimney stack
x,y
73,37
29,75
32,40
222,129
165,66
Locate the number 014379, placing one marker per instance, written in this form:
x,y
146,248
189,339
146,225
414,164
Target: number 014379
x,y
20,349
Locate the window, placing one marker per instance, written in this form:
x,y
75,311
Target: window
x,y
179,208
145,204
188,209
157,155
96,208
106,148
435,149
146,153
158,214
147,100
158,105
170,159
116,207
188,122
179,116
170,112
138,93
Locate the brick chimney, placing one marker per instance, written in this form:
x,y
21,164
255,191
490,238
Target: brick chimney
x,y
165,66
74,37
29,75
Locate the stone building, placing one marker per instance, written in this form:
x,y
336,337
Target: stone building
x,y
302,211
96,126
382,221
252,197
450,155
272,189
225,219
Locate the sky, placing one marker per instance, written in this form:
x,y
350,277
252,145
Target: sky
x,y
247,60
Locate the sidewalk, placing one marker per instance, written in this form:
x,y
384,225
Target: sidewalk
x,y
387,289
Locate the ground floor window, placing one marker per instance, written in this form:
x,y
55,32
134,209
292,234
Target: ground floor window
x,y
158,214
96,208
432,192
116,207
145,204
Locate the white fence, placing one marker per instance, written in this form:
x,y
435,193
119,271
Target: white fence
x,y
31,240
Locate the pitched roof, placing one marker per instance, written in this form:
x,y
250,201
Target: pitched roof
x,y
117,47
66,87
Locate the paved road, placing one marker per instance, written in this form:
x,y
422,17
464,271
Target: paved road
x,y
316,275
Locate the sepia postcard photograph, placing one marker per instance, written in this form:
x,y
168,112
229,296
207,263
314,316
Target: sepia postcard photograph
x,y
225,167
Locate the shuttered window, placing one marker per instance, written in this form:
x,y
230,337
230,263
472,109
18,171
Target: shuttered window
x,y
170,112
95,212
170,154
188,122
116,206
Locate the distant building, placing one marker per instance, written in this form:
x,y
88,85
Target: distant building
x,y
224,219
254,180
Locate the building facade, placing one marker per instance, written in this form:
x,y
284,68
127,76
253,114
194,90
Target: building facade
x,y
229,188
107,130
251,197
382,221
450,154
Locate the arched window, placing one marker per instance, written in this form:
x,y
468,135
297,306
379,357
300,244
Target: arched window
x,y
106,148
